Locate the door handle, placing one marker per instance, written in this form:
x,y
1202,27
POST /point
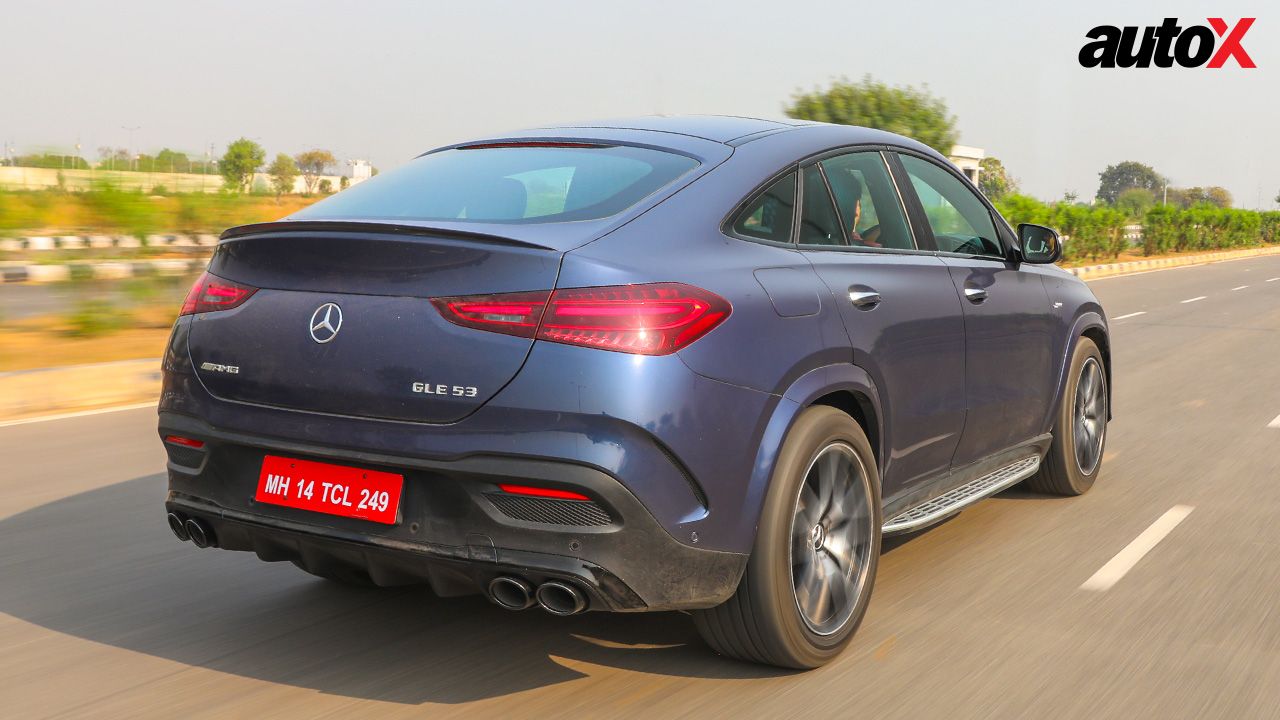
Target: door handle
x,y
975,294
864,299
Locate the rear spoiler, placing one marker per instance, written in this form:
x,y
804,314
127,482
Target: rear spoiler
x,y
371,226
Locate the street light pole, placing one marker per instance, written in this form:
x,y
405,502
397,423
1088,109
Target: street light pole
x,y
130,131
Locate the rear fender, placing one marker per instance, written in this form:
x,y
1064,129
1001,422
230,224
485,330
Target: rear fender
x,y
800,395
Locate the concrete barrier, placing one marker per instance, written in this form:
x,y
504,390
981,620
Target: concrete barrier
x,y
17,272
26,393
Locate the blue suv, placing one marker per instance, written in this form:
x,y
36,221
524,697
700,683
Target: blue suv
x,y
697,363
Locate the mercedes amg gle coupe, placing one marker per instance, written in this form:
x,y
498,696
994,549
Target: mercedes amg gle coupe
x,y
694,363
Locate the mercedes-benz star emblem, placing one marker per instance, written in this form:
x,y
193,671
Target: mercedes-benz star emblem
x,y
326,321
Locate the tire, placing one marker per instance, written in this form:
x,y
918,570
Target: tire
x,y
1064,471
352,578
763,621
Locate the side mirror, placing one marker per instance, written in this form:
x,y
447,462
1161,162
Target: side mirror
x,y
1040,245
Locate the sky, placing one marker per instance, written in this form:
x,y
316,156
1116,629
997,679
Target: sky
x,y
385,80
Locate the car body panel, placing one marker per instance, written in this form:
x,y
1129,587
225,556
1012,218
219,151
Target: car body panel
x,y
1009,355
912,344
684,445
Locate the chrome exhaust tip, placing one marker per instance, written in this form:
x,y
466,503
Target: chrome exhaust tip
x,y
560,598
178,527
201,536
510,593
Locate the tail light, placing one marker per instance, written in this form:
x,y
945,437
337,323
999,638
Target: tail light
x,y
654,319
211,292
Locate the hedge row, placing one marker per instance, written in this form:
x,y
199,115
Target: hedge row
x,y
1094,231
111,211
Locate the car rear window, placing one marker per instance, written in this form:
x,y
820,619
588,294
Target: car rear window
x,y
509,183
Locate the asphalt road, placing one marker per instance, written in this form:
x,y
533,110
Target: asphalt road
x,y
103,614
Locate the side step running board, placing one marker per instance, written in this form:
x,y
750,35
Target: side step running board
x,y
940,507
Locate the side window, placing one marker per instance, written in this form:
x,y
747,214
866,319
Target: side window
x,y
769,216
867,201
958,219
819,224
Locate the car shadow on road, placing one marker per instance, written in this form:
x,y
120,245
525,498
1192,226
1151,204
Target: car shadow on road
x,y
103,566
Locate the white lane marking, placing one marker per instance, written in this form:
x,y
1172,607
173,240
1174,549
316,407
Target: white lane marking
x,y
1184,302
81,413
1239,288
1122,317
1118,566
1275,423
1272,279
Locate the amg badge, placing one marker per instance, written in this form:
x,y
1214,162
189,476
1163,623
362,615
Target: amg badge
x,y
215,367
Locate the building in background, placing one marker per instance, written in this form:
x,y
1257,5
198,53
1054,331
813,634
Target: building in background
x,y
968,159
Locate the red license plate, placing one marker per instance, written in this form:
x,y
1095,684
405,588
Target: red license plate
x,y
331,489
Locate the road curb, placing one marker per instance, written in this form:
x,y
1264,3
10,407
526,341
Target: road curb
x,y
25,393
1091,272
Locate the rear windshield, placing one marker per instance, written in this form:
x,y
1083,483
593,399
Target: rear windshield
x,y
513,184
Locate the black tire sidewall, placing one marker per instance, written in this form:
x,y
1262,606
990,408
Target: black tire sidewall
x,y
1064,441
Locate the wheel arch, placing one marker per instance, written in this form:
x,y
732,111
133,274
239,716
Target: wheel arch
x,y
1092,325
1099,336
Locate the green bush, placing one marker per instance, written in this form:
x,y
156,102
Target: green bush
x,y
93,317
1088,231
1094,231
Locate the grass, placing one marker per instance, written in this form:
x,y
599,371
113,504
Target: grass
x,y
106,321
51,341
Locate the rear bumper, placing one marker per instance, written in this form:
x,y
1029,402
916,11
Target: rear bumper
x,y
450,533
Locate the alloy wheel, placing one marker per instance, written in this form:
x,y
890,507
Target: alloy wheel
x,y
1090,416
831,539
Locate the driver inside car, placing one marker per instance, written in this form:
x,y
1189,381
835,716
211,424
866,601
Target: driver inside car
x,y
846,185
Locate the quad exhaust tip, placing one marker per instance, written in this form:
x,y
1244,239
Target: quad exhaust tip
x,y
201,536
510,593
560,598
178,527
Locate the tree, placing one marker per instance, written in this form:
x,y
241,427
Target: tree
x,y
1128,174
313,163
241,161
1135,201
994,181
283,172
1188,197
171,161
326,186
869,103
113,158
344,183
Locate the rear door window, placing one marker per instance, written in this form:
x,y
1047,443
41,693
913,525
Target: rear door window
x,y
868,202
819,223
509,183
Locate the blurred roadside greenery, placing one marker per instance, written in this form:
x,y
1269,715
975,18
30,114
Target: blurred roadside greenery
x,y
109,210
1098,231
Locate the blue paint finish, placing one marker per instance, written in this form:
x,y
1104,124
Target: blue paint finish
x,y
792,291
693,436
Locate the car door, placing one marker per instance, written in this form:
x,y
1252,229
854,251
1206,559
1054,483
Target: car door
x,y
1008,320
899,308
